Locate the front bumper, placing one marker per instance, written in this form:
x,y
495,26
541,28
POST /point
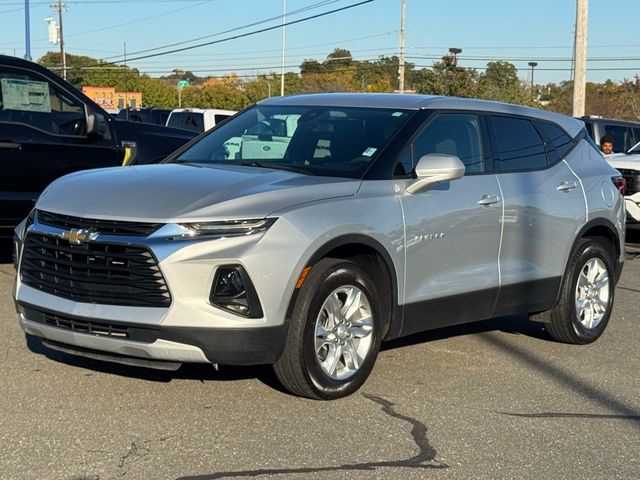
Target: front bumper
x,y
190,329
172,344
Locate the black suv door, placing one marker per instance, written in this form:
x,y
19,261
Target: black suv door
x,y
43,135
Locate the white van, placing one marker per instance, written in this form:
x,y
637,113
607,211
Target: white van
x,y
197,119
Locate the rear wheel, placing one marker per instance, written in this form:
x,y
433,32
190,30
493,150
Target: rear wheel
x,y
586,299
334,334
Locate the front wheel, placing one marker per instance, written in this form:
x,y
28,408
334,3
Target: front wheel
x,y
335,332
586,299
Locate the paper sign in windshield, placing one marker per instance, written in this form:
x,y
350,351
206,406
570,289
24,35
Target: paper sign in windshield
x,y
25,95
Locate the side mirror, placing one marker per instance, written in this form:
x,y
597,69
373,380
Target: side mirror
x,y
96,126
435,168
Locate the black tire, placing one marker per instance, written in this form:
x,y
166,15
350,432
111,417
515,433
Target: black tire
x,y
563,321
299,369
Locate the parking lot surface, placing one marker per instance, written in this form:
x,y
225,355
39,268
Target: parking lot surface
x,y
496,399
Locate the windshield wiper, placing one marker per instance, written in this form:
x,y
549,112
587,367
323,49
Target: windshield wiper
x,y
277,166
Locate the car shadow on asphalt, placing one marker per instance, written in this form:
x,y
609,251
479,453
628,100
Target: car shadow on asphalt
x,y
189,371
264,373
514,324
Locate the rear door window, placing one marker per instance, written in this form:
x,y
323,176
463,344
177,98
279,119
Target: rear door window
x,y
520,147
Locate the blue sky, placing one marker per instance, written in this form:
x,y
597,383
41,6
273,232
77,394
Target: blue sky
x,y
517,31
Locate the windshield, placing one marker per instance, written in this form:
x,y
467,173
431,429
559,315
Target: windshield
x,y
328,141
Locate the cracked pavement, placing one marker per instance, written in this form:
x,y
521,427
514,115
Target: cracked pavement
x,y
496,399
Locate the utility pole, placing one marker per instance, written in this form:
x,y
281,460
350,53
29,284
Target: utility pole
x,y
532,65
27,31
58,7
284,20
401,60
580,76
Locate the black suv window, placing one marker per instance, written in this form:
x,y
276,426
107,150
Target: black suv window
x,y
454,134
219,117
561,142
622,137
519,145
30,100
188,120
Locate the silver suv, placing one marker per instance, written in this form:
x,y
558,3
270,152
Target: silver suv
x,y
308,229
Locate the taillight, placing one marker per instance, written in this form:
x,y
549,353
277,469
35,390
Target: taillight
x,y
620,184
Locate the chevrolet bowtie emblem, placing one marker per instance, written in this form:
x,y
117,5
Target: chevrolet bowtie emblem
x,y
77,237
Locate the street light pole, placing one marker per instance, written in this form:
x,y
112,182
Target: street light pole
x,y
532,65
401,60
454,53
580,67
27,31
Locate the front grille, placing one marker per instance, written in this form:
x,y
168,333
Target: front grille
x,y
108,227
102,273
632,179
101,328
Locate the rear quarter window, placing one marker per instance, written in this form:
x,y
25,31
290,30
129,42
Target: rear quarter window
x,y
558,138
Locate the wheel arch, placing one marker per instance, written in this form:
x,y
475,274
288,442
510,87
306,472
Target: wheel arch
x,y
598,228
364,249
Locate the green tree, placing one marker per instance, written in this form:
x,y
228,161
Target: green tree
x,y
446,78
311,66
500,82
340,56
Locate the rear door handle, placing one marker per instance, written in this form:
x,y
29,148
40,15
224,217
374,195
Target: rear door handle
x,y
567,186
10,145
488,200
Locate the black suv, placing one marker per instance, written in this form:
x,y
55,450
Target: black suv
x,y
48,129
158,116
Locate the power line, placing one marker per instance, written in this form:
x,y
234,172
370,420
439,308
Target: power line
x,y
151,63
253,32
242,27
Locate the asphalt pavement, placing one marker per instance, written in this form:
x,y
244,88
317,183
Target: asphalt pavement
x,y
496,399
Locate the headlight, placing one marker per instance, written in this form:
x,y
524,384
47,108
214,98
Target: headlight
x,y
228,228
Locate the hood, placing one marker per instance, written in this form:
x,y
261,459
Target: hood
x,y
170,193
624,161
